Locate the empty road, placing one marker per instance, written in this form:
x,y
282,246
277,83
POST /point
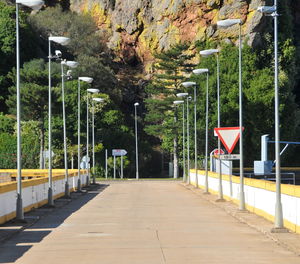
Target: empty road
x,y
146,222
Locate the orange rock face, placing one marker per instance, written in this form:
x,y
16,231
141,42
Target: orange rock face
x,y
137,28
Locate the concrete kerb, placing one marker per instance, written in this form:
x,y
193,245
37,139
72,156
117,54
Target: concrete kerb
x,y
288,240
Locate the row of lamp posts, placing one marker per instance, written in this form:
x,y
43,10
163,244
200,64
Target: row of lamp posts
x,y
269,10
36,5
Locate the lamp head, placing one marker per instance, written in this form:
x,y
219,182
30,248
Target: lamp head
x,y
33,4
188,84
136,104
86,79
182,94
228,22
93,90
60,40
71,64
267,9
178,102
208,52
200,71
99,100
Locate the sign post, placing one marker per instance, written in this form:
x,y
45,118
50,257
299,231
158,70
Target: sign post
x,y
114,167
106,172
118,153
121,167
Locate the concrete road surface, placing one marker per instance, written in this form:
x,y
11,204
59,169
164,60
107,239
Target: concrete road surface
x,y
146,222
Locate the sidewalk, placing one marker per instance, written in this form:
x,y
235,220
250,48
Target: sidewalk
x,y
288,240
148,222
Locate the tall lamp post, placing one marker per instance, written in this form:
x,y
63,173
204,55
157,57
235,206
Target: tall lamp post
x,y
178,102
198,72
87,80
93,91
71,64
33,4
206,53
62,41
225,24
183,95
272,10
136,141
187,85
98,100
186,95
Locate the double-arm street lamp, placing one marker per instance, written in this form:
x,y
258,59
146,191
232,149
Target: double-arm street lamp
x,y
36,5
199,72
272,11
86,80
98,100
62,41
93,91
71,64
206,53
136,141
225,24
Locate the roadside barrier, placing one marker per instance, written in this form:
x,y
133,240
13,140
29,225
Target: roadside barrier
x,y
34,190
260,196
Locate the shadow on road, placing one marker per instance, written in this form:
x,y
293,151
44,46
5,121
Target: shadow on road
x,y
17,239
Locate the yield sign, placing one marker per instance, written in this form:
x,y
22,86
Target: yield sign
x,y
229,136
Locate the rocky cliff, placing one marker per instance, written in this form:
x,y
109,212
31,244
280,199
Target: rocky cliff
x,y
137,28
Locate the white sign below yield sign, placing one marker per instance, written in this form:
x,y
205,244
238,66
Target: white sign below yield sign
x,y
229,136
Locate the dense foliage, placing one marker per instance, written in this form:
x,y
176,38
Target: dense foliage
x,y
159,122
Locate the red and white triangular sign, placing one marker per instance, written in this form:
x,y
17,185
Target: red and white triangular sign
x,y
229,136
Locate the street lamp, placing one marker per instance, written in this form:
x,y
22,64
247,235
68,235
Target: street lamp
x,y
272,10
136,141
178,102
87,80
62,41
187,85
93,91
183,95
33,4
198,72
71,64
206,53
99,100
225,24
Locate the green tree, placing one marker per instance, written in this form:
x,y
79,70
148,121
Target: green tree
x,y
258,86
34,96
169,70
29,45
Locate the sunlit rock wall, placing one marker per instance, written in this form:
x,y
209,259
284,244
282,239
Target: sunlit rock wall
x,y
137,28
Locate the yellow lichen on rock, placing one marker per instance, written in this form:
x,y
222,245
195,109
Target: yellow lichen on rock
x,y
101,17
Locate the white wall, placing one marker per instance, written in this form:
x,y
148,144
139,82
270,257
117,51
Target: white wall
x,y
260,196
34,193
